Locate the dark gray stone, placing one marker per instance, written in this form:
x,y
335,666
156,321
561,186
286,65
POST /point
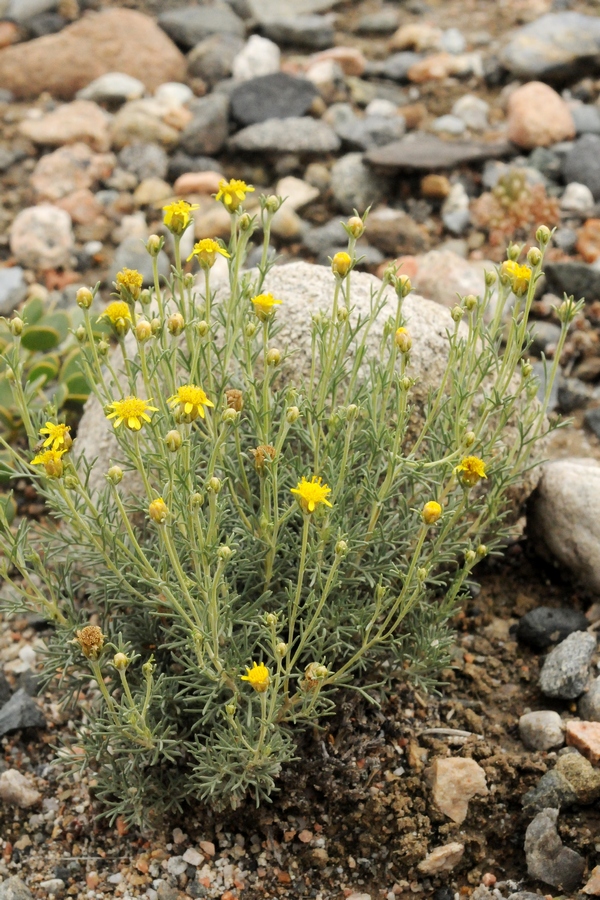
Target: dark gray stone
x,y
191,24
5,691
180,163
544,626
46,23
589,705
547,857
397,65
298,134
575,278
212,59
582,163
276,96
546,161
144,160
552,790
208,130
555,46
566,669
565,239
14,889
131,253
356,186
421,152
592,420
20,712
313,32
586,119
572,394
370,131
545,334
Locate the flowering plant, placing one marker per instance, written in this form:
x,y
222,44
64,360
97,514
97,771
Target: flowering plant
x,y
260,544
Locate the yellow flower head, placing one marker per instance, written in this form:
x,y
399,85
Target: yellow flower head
x,y
132,411
177,215
206,251
257,676
91,641
191,401
130,281
158,511
471,470
341,264
431,512
119,316
52,462
403,340
57,436
233,193
264,306
311,493
519,276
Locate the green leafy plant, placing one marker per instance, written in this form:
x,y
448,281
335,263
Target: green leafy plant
x,y
278,541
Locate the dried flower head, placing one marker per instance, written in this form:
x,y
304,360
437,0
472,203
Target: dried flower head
x,y
130,281
178,215
57,436
233,193
471,470
191,401
257,676
52,462
234,399
91,641
311,493
264,306
132,410
262,453
206,251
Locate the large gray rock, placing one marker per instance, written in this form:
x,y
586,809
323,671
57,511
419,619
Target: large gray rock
x,y
355,185
547,857
314,32
566,669
300,134
557,45
14,889
208,130
191,24
266,10
276,96
212,59
421,152
563,517
582,163
20,712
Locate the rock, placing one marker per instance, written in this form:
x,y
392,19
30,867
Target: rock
x,y
152,192
132,254
14,889
22,10
439,66
276,96
563,521
588,239
192,857
259,56
350,60
453,41
589,704
173,95
20,712
45,23
208,130
442,859
326,237
197,183
12,290
104,40
300,134
189,25
287,224
524,895
41,237
70,169
17,790
364,132
586,118
398,65
585,736
53,885
421,152
473,111
144,160
553,789
592,886
455,781
547,858
394,232
565,671
113,88
592,420
573,278
267,10
82,207
442,274
381,21
356,186
542,730
382,108
547,625
182,163
577,198
80,121
313,32
139,121
556,46
582,163
449,125
212,59
538,117
5,691
582,777
455,210
298,193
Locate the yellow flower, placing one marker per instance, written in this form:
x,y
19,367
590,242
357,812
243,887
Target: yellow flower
x,y
131,281
341,264
91,641
158,511
519,276
177,215
471,470
311,493
132,411
58,436
264,306
403,340
206,251
258,676
431,512
191,400
52,462
233,193
119,316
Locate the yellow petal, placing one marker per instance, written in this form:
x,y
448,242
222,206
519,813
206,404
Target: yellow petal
x,y
134,423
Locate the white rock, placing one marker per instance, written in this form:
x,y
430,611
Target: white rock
x,y
113,87
298,193
442,859
577,198
41,237
17,790
473,111
176,865
173,94
53,885
563,519
381,107
21,10
193,857
542,730
259,56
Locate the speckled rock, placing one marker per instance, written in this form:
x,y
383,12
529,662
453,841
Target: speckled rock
x,y
80,121
557,45
566,668
547,858
41,237
589,704
542,729
355,185
292,135
16,790
14,889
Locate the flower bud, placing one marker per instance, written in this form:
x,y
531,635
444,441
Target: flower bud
x,y
103,347
355,226
469,439
148,668
403,286
352,412
84,298
115,474
282,649
250,330
214,485
403,340
143,331
80,333
543,235
405,383
225,553
175,324
197,499
155,325
173,440
230,416
245,221
432,511
154,244
188,280
202,328
158,511
16,326
145,297
470,302
490,278
120,661
513,251
343,313
292,413
457,313
534,256
341,548
273,357
470,557
271,619
482,550
526,368
422,573
272,203
341,264
71,483
230,709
